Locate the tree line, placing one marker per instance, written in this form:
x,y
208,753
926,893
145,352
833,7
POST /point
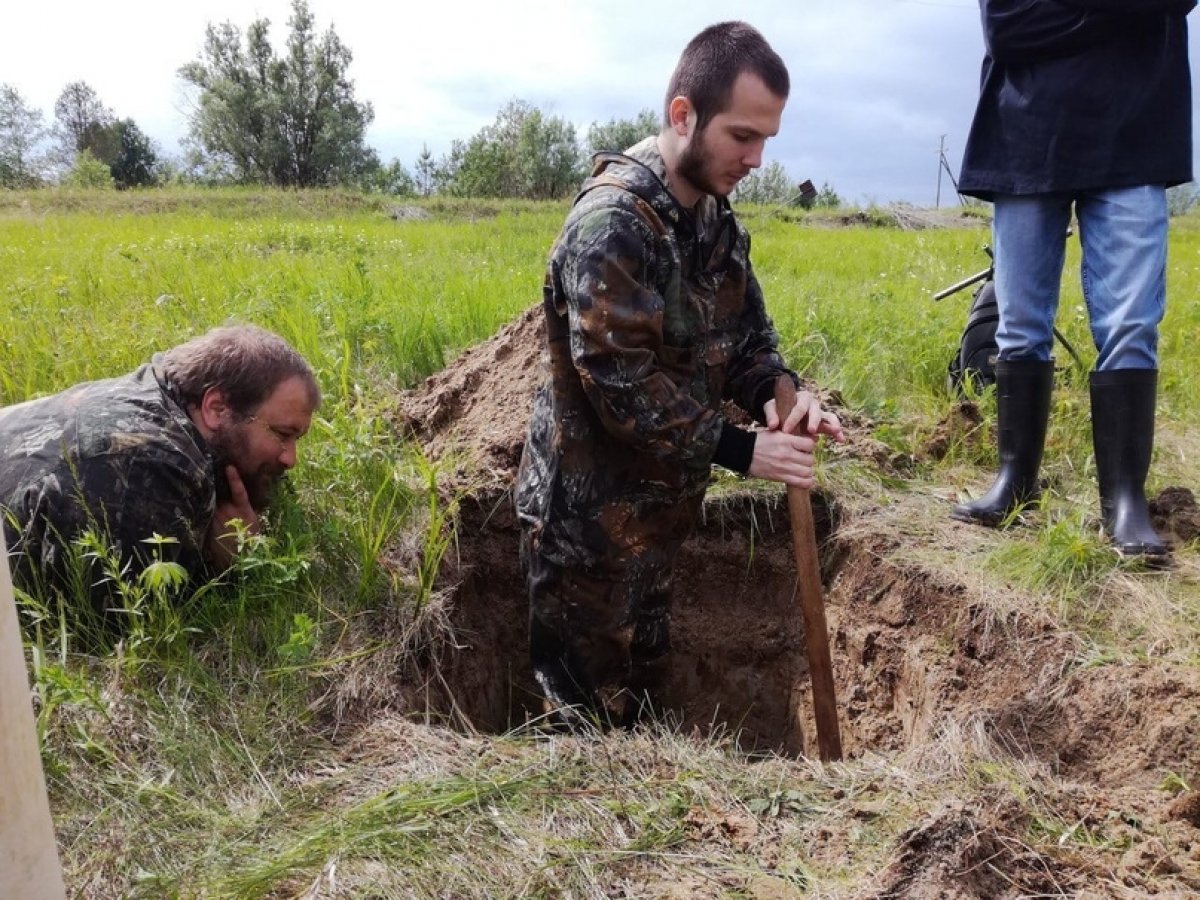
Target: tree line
x,y
291,119
89,145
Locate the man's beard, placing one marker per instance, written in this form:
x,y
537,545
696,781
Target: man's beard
x,y
229,444
693,165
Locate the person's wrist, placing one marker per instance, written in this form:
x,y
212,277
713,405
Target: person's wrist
x,y
735,448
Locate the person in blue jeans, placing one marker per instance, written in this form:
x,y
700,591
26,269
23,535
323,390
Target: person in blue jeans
x,y
1084,108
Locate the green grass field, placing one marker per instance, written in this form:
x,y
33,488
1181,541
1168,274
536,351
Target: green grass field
x,y
188,762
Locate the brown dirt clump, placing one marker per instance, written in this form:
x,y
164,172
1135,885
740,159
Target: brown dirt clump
x,y
972,850
477,408
1186,807
1176,515
962,425
915,649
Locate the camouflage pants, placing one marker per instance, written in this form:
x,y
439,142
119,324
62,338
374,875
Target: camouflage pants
x,y
595,643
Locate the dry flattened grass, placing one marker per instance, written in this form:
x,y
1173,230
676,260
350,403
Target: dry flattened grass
x,y
428,812
423,812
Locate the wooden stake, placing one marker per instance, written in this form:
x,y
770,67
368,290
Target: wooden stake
x,y
812,604
29,867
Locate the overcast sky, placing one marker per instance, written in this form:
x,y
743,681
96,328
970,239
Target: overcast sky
x,y
876,84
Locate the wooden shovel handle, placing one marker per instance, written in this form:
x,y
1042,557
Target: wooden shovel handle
x,y
812,605
29,865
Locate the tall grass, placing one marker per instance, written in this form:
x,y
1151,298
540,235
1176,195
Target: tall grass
x,y
92,294
855,309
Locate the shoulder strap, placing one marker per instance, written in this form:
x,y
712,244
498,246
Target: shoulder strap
x,y
645,210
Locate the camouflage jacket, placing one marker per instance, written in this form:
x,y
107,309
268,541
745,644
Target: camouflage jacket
x,y
654,318
120,456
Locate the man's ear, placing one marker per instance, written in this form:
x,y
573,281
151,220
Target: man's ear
x,y
214,408
681,115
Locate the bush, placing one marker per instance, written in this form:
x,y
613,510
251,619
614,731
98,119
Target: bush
x,y
88,172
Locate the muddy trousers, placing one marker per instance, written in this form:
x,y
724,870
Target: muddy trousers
x,y
599,648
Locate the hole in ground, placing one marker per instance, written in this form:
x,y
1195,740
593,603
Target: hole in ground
x,y
912,651
738,662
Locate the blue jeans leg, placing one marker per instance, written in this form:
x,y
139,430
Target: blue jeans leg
x,y
1029,242
1124,237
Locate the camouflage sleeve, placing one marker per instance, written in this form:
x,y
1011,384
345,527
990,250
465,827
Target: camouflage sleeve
x,y
756,363
156,493
634,380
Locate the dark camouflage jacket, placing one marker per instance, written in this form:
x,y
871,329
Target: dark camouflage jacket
x,y
120,456
654,318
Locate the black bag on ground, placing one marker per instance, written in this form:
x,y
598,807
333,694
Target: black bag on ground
x,y
975,358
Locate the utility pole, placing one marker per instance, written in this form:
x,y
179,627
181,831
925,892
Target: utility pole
x,y
941,165
944,165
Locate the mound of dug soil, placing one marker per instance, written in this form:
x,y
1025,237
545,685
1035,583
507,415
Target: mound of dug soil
x,y
915,651
478,407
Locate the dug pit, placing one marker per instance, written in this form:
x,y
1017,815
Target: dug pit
x,y
737,665
912,648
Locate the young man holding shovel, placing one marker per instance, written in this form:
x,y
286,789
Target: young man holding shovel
x,y
654,318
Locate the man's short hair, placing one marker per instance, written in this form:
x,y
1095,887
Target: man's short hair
x,y
244,362
711,63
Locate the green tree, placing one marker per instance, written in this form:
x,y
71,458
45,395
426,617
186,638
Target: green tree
x,y
480,167
524,153
827,196
21,136
548,157
769,184
393,179
135,162
618,135
426,177
84,123
289,120
445,171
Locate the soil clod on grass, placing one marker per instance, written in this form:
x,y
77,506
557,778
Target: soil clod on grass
x,y
1175,515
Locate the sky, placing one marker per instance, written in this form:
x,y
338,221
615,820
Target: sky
x,y
879,87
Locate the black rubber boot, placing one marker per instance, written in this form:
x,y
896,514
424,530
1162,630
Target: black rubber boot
x,y
565,702
1123,438
1022,410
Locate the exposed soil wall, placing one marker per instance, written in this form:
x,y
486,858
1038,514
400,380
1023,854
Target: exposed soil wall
x,y
738,661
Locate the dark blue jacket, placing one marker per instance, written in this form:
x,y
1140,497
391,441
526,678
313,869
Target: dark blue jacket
x,y
1081,95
